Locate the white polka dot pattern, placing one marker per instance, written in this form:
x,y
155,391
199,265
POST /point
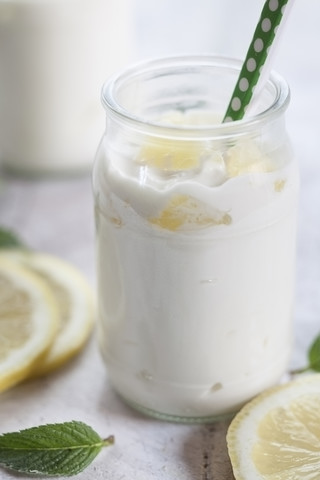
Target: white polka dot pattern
x,y
263,37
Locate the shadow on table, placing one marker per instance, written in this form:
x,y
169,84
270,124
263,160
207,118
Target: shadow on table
x,y
205,452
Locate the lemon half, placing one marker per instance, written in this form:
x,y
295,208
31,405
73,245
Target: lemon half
x,y
29,320
276,436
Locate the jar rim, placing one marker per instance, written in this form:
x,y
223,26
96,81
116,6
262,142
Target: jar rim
x,y
192,62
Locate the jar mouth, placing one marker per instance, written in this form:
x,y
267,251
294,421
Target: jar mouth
x,y
125,93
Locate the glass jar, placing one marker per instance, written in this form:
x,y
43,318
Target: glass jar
x,y
54,56
196,228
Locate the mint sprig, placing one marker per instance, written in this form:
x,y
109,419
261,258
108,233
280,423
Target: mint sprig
x,y
9,239
60,449
313,357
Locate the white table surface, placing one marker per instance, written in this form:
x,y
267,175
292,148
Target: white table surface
x,y
56,216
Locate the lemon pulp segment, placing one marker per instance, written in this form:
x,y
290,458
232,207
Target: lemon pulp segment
x,y
184,210
170,155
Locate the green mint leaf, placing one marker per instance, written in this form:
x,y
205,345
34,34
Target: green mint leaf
x,y
8,239
60,449
313,358
314,355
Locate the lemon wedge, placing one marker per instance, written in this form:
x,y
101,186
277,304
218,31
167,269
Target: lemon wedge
x,y
28,322
276,436
75,302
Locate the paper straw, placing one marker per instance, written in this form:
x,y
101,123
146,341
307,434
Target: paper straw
x,y
254,66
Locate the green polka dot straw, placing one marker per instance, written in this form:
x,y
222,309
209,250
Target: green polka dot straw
x,y
264,35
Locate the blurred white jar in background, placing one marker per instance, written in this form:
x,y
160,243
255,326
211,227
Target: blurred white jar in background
x,y
54,57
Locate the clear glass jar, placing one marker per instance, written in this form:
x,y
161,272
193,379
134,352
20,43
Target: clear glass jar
x,y
196,227
54,56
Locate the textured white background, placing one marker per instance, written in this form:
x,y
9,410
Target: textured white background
x,y
56,216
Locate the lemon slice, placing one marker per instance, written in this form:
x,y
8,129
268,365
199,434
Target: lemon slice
x,y
276,436
75,301
28,322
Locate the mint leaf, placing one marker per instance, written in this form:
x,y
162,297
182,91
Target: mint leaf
x,y
60,449
314,355
313,358
8,239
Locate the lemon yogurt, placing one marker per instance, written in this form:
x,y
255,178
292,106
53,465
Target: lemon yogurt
x,y
195,239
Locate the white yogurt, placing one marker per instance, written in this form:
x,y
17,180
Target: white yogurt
x,y
54,57
197,320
